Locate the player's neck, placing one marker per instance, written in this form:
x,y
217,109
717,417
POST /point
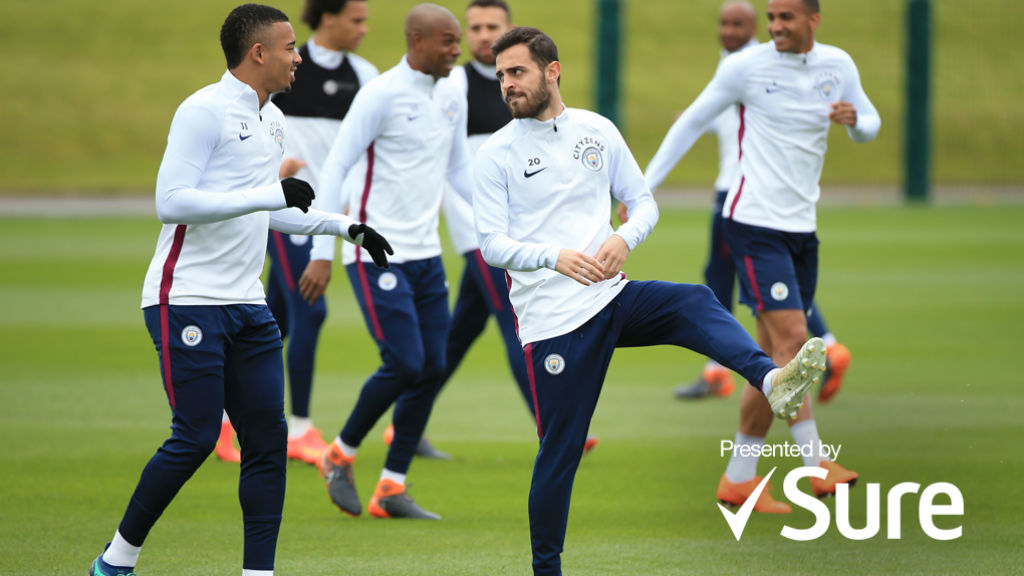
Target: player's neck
x,y
553,109
244,75
322,39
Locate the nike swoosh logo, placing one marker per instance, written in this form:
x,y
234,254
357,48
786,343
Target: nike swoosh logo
x,y
412,117
532,174
244,137
738,520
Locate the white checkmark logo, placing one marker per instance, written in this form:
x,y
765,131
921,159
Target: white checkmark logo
x,y
738,521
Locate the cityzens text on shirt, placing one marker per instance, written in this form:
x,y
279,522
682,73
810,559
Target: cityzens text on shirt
x,y
583,144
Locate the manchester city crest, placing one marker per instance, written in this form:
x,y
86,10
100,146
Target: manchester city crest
x,y
592,158
554,364
191,335
827,86
277,131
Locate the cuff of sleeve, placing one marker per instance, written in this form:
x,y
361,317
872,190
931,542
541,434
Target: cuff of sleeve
x,y
624,233
270,197
551,258
345,222
323,246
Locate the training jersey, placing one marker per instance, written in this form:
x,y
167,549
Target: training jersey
x,y
784,104
487,112
325,86
543,186
726,127
412,128
217,181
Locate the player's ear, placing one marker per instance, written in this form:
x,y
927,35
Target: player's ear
x,y
258,52
553,71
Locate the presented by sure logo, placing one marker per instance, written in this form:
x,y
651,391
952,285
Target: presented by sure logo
x,y
951,504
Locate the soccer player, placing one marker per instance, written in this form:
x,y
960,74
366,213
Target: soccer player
x,y
411,121
542,212
789,91
482,289
324,88
217,192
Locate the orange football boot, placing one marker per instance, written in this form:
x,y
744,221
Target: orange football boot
x,y
715,381
836,475
225,448
837,361
308,447
735,494
391,500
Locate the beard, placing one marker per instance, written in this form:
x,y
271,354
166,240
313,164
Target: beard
x,y
531,104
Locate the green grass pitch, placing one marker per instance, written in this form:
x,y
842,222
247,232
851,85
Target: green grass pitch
x,y
928,300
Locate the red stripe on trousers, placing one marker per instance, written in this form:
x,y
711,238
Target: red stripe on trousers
x,y
485,271
753,281
364,283
282,259
528,353
165,292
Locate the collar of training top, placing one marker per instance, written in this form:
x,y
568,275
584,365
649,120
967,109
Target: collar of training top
x,y
417,79
532,124
241,88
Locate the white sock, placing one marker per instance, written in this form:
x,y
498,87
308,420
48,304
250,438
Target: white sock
x,y
257,572
348,451
121,553
743,468
711,365
297,425
829,338
395,477
806,433
766,384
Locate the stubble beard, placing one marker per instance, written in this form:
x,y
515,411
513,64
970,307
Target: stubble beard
x,y
542,99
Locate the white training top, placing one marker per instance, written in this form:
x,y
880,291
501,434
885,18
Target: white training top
x,y
726,128
458,212
784,103
218,179
416,126
310,138
543,186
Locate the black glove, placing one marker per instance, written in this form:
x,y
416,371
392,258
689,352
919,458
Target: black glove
x,y
375,244
297,193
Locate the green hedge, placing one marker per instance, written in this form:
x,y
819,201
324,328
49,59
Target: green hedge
x,y
89,88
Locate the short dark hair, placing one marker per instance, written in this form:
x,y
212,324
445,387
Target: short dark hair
x,y
492,4
242,27
314,10
542,48
813,6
